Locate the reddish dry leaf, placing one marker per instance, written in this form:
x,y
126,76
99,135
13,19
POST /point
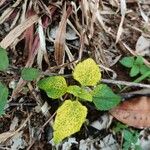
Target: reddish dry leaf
x,y
29,34
134,112
59,43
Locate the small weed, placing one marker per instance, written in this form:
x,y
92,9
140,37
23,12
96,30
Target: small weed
x,y
137,67
71,114
130,137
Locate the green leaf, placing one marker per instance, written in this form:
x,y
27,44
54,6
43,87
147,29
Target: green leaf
x,y
79,92
139,60
69,119
135,70
119,127
138,147
3,97
29,74
126,145
104,98
127,61
144,69
142,77
87,73
128,136
130,139
55,86
4,62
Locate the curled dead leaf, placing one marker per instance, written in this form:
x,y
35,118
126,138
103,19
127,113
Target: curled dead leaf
x,y
59,43
134,112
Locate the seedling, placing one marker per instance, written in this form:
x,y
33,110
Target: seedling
x,y
137,67
72,113
130,140
130,137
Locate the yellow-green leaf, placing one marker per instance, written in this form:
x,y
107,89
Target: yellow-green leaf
x,y
79,92
87,73
69,119
55,86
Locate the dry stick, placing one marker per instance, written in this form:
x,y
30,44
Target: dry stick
x,y
48,121
125,83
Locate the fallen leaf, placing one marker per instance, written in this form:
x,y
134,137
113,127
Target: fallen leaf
x,y
17,31
29,34
134,112
5,135
59,43
144,16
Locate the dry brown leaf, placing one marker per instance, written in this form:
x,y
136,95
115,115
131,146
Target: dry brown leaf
x,y
16,32
21,83
4,136
134,112
95,7
59,43
2,2
144,16
28,34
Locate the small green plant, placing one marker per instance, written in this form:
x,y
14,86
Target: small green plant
x,y
137,66
130,137
130,140
72,113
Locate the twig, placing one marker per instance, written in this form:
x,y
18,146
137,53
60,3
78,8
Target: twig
x,y
125,83
48,121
